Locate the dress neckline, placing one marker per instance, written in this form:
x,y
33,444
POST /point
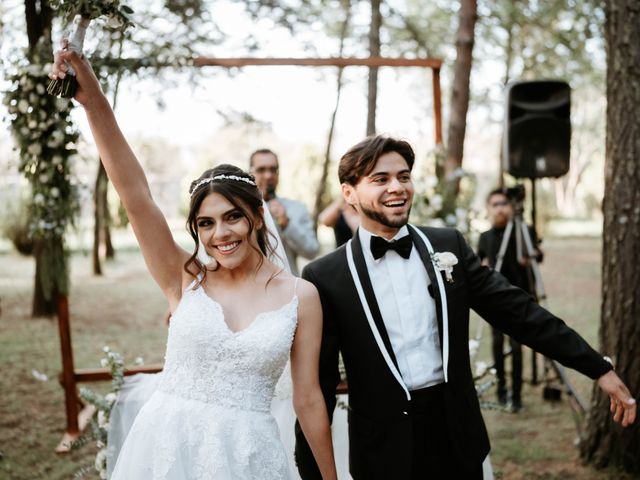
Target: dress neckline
x,y
255,319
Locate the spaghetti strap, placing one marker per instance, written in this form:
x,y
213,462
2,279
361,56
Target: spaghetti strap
x,y
193,283
295,287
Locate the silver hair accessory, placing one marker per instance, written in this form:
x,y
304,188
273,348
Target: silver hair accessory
x,y
221,177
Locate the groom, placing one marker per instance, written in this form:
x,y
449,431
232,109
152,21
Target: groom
x,y
396,303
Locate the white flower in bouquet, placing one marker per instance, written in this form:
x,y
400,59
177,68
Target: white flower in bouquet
x,y
56,139
111,398
38,199
139,361
32,124
40,89
34,149
23,106
115,22
54,192
104,362
44,178
62,103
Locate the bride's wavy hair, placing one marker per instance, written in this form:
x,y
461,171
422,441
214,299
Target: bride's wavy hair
x,y
245,196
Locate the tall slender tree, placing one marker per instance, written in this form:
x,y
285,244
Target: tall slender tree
x,y
605,443
374,51
468,14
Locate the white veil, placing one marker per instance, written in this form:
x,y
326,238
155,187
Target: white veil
x,y
282,404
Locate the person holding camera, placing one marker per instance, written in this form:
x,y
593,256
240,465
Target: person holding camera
x,y
516,270
292,218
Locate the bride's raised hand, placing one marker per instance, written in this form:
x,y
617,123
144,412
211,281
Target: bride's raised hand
x,y
88,90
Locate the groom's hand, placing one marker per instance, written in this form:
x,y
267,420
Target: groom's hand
x,y
623,405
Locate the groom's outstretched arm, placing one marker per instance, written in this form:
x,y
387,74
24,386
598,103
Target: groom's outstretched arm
x,y
516,313
329,378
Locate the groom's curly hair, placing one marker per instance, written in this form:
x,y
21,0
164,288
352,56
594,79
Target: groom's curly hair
x,y
360,159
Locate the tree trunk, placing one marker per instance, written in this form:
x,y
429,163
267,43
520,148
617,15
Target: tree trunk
x,y
322,185
98,216
38,16
605,443
508,60
41,306
460,93
374,51
102,227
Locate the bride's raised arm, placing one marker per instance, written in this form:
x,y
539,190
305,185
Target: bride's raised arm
x,y
164,258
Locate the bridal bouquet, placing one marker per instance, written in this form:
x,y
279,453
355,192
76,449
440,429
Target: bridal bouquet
x,y
117,16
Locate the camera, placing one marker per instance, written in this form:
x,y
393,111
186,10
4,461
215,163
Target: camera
x,y
515,194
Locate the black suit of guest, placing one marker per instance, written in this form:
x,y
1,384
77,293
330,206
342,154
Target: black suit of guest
x,y
488,247
440,434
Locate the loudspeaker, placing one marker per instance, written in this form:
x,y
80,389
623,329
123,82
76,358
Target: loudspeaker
x,y
537,130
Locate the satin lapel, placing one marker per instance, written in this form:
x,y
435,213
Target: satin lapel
x,y
367,287
428,265
423,244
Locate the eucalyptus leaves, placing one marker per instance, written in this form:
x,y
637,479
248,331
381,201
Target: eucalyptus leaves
x,y
117,16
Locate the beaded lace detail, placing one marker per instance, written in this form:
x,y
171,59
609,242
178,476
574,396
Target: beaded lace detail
x,y
206,361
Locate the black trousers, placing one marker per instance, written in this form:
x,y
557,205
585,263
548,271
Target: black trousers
x,y
516,364
433,457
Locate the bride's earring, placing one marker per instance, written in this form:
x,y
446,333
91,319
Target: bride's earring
x,y
204,258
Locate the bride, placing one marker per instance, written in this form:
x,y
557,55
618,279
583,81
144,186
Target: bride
x,y
237,318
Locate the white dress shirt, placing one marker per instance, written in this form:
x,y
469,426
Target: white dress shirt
x,y
408,312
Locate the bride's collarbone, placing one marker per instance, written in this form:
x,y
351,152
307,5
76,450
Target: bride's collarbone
x,y
241,304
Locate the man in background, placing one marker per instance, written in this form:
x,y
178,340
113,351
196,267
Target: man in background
x,y
291,217
517,271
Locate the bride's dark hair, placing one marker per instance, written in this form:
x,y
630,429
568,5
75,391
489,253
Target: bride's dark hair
x,y
246,197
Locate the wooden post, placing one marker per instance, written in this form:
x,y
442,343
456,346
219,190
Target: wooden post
x,y
67,377
437,105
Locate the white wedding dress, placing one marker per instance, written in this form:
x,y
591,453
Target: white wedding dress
x,y
209,412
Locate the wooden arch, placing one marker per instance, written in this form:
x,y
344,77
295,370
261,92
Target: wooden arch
x,y
78,414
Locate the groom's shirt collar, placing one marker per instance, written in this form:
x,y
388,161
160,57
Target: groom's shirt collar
x,y
365,240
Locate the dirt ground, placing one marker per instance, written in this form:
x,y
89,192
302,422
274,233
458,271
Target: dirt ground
x,y
124,309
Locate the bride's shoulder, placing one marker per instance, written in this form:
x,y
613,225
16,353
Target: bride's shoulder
x,y
307,293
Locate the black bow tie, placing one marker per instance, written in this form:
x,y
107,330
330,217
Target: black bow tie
x,y
402,246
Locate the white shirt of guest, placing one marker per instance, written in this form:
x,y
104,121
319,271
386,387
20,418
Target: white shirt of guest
x,y
408,311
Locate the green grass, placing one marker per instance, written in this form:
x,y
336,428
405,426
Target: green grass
x,y
125,309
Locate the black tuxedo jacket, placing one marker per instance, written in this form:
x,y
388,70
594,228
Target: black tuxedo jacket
x,y
379,414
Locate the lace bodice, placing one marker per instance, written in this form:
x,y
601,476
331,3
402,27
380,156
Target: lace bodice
x,y
208,362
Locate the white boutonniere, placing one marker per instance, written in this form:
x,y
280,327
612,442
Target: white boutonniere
x,y
444,261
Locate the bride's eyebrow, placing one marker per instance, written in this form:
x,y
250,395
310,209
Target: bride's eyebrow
x,y
228,212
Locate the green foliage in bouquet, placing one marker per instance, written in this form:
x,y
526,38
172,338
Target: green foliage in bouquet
x,y
117,16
